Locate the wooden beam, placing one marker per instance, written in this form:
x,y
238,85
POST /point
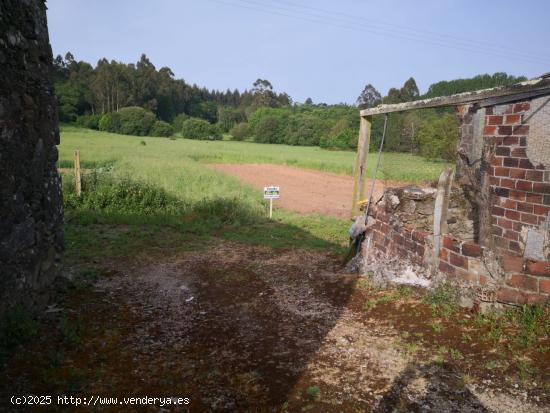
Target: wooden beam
x,y
538,87
77,178
360,170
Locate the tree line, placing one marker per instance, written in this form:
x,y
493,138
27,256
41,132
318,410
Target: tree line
x,y
109,86
139,99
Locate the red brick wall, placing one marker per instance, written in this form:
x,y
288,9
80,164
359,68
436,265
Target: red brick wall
x,y
388,236
520,198
521,195
522,281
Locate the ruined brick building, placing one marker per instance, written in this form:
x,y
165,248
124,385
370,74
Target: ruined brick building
x,y
489,229
31,211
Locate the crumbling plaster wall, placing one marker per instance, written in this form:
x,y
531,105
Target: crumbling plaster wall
x,y
31,225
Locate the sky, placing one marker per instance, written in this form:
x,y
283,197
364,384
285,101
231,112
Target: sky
x,y
322,49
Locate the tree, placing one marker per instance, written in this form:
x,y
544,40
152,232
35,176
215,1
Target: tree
x,y
369,97
393,96
263,95
446,88
262,86
437,136
229,117
177,122
409,91
269,130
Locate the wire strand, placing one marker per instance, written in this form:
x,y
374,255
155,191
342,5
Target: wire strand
x,y
246,4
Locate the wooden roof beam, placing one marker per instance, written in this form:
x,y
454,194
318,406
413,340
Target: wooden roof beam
x,y
535,87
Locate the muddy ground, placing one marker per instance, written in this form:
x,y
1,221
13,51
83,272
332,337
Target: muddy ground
x,y
250,329
304,190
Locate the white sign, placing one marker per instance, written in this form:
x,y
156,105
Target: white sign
x,y
272,192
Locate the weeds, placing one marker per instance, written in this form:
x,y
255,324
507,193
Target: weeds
x,y
465,380
411,348
314,392
443,299
491,365
466,337
533,322
456,354
525,369
394,294
436,326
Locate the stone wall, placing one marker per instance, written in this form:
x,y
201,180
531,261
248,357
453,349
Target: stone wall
x,y
31,224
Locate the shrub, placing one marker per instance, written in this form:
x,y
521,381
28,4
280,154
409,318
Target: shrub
x,y
161,128
110,122
269,130
346,139
194,128
88,121
136,121
240,131
437,137
177,123
101,191
303,130
228,118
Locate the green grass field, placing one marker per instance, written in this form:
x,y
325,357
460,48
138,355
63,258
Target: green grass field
x,y
105,147
184,200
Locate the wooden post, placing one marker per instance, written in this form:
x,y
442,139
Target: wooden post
x,y
270,208
77,180
360,170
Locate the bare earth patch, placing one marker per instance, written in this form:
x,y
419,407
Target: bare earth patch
x,y
304,190
249,329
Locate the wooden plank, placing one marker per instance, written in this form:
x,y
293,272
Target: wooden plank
x,y
77,177
539,86
360,170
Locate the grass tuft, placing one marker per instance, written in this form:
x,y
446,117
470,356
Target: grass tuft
x,y
443,299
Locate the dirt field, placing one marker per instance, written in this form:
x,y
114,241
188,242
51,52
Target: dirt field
x,y
250,329
302,190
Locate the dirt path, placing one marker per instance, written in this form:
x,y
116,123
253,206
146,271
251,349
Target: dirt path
x,y
303,190
249,329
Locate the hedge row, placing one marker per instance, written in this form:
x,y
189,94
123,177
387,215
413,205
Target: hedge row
x,y
131,120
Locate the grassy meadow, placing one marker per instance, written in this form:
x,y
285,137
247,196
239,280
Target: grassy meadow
x,y
101,147
159,191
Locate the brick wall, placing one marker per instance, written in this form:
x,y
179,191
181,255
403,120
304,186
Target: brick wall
x,y
519,202
517,280
521,192
394,239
